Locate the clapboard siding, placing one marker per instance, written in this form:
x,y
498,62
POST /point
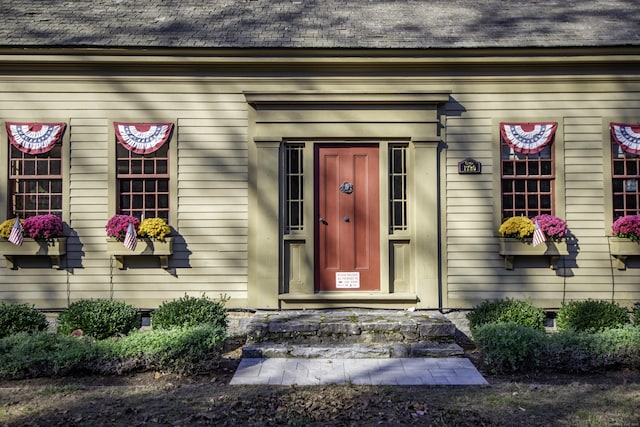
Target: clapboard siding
x,y
211,178
213,194
585,273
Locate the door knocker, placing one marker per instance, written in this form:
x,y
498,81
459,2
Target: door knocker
x,y
346,187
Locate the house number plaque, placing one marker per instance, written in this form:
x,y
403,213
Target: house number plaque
x,y
469,166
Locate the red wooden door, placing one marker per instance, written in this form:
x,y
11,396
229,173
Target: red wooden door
x,y
347,249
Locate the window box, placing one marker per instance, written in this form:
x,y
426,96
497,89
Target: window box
x,y
144,247
510,248
621,249
54,249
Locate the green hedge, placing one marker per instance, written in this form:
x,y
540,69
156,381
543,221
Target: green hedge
x,y
510,348
506,310
591,316
188,351
16,318
99,319
190,311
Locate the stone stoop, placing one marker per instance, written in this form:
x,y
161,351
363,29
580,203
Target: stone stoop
x,y
350,333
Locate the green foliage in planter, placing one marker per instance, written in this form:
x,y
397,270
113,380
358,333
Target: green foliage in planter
x,y
636,313
99,319
15,318
190,311
43,354
510,347
507,310
591,315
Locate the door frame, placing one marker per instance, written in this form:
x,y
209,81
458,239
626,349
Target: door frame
x,y
311,117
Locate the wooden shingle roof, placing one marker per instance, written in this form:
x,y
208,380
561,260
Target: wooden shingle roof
x,y
375,24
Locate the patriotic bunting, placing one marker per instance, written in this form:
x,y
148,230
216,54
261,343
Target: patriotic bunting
x,y
34,138
627,136
528,138
142,138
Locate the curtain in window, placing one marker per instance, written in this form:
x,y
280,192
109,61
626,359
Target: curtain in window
x,y
528,138
142,138
34,138
627,136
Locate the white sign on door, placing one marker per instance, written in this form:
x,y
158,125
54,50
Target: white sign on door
x,y
348,280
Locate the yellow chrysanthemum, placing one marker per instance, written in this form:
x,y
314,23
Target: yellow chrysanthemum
x,y
519,227
6,226
154,228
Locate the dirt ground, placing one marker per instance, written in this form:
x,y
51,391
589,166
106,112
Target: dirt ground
x,y
153,399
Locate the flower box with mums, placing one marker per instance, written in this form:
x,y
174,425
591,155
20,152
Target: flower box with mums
x,y
517,239
151,239
625,241
41,236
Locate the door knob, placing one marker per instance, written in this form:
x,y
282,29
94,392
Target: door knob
x,y
322,220
346,219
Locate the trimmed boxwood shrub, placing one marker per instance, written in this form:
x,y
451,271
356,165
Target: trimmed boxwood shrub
x,y
510,347
591,315
15,318
506,310
99,319
190,311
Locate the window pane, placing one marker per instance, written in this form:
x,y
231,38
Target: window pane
x,y
149,201
136,186
163,201
398,187
123,167
136,167
161,167
29,167
163,185
149,167
136,202
150,185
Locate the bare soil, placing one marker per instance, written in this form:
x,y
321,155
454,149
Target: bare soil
x,y
610,398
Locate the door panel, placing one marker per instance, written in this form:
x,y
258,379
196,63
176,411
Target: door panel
x,y
348,226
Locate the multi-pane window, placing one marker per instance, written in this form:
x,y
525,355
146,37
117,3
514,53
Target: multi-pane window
x,y
625,172
143,183
397,188
527,177
293,187
35,182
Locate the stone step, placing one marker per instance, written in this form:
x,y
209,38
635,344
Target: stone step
x,y
350,334
352,351
349,327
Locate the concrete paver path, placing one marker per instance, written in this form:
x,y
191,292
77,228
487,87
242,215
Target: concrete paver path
x,y
392,371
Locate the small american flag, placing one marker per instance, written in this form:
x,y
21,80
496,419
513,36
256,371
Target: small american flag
x,y
16,233
538,235
130,239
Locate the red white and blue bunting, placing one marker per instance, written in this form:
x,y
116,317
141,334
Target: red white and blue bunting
x,y
528,138
143,138
627,136
34,138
